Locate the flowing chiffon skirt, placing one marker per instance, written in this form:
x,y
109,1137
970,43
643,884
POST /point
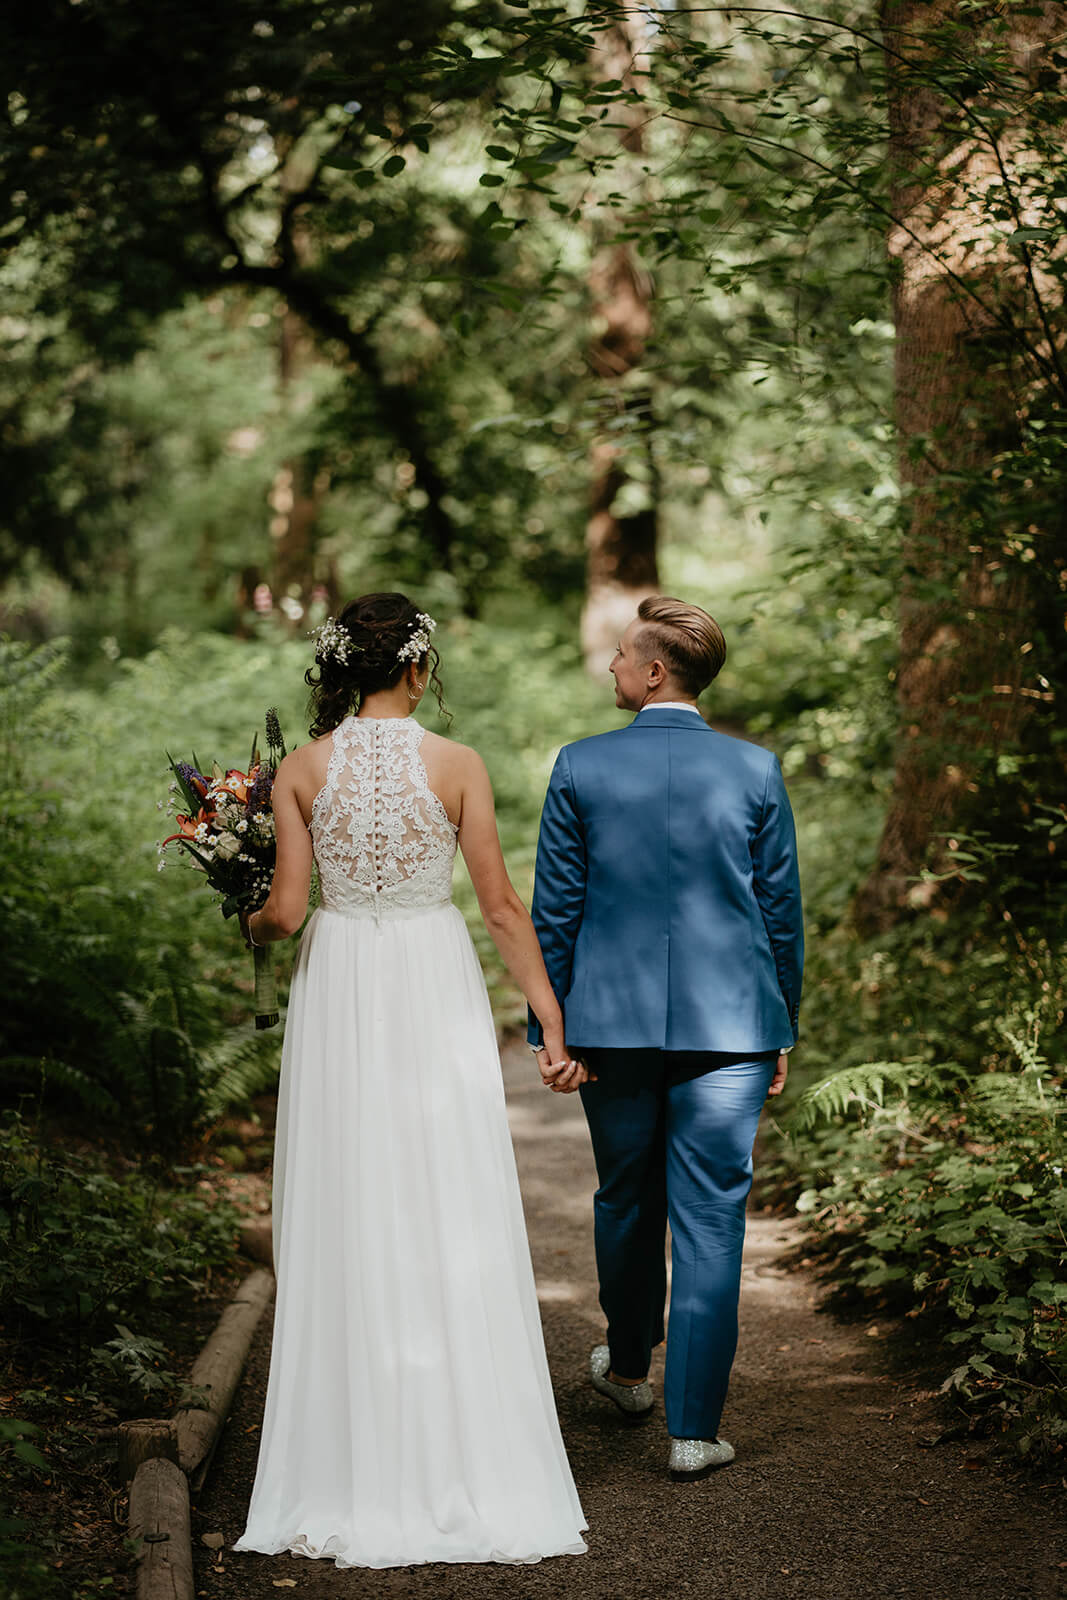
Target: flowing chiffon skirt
x,y
409,1413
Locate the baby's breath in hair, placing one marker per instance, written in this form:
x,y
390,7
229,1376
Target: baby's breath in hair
x,y
419,643
334,642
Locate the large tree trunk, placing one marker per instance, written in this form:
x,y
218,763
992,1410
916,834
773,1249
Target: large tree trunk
x,y
301,483
298,490
623,527
964,314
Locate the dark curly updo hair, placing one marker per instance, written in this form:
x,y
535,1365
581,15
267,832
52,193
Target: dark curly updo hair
x,y
365,648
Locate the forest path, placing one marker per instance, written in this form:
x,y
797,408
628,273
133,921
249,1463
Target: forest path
x,y
835,1493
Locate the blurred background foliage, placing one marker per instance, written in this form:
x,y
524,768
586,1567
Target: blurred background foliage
x,y
530,310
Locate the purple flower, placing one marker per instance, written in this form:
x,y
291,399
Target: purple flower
x,y
259,791
194,781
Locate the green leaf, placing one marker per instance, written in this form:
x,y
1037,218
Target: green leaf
x,y
392,166
1004,1343
556,151
342,161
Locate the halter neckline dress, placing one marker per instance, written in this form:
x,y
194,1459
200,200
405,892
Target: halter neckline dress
x,y
409,1413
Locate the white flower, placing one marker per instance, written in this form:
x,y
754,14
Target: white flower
x,y
242,826
419,642
333,643
227,845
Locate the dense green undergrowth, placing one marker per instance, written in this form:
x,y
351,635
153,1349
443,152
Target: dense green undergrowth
x,y
929,1167
101,1258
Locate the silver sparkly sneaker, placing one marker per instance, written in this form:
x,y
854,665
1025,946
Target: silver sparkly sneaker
x,y
692,1458
635,1401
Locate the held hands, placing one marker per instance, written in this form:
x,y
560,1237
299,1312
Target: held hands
x,y
564,1076
560,1072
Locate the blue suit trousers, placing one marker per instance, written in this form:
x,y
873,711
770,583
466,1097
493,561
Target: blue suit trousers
x,y
672,1135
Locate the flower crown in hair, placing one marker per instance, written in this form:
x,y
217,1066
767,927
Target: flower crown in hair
x,y
334,643
419,642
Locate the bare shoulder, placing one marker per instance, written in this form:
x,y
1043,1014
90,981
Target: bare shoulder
x,y
303,772
449,755
301,760
457,775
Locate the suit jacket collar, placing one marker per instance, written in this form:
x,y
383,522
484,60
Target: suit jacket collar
x,y
668,717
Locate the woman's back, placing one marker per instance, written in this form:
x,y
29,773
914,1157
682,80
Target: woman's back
x,y
383,840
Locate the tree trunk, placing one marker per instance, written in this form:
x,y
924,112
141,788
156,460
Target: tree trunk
x,y
964,313
298,489
623,527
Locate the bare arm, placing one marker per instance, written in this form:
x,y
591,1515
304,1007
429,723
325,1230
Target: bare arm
x,y
286,906
507,919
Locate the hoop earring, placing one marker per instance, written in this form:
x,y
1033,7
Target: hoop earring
x,y
413,696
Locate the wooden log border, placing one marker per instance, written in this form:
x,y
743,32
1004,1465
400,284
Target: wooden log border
x,y
160,1458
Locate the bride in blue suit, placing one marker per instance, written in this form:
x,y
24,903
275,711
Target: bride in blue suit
x,y
667,905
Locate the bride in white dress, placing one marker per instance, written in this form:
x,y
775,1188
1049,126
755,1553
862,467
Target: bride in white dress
x,y
409,1413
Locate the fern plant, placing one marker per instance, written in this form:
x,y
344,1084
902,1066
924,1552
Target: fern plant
x,y
864,1088
944,1199
239,1066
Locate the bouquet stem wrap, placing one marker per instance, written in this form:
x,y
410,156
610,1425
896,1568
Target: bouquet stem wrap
x,y
266,1000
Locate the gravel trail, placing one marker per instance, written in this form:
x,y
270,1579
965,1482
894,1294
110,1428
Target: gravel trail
x,y
837,1493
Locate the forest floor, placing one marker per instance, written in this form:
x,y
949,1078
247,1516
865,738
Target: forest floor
x,y
844,1487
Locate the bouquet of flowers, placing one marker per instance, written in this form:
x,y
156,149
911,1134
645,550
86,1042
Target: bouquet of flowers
x,y
227,830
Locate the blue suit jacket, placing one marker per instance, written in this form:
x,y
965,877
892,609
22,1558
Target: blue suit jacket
x,y
667,896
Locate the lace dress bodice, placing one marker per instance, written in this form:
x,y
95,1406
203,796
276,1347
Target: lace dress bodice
x,y
383,841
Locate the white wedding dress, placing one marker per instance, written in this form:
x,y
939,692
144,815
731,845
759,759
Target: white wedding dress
x,y
409,1413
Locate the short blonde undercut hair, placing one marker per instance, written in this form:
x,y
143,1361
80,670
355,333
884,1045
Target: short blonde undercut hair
x,y
688,642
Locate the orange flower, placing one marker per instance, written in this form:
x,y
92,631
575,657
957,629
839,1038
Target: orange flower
x,y
187,826
237,783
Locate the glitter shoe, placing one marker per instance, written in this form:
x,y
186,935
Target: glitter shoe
x,y
692,1458
633,1400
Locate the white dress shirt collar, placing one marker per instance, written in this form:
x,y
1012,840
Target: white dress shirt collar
x,y
670,705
